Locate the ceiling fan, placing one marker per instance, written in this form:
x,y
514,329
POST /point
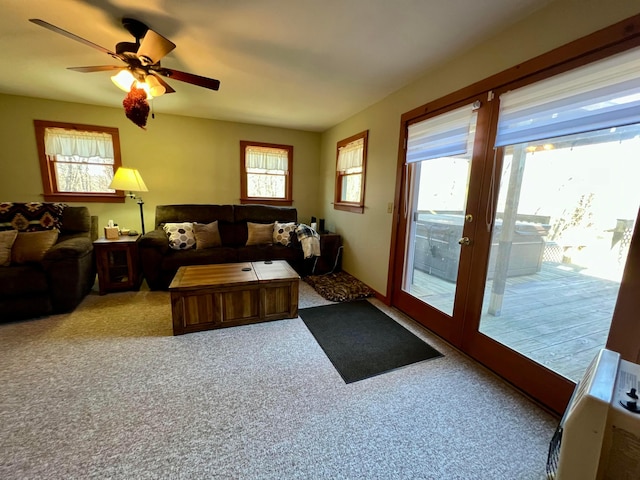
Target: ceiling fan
x,y
142,59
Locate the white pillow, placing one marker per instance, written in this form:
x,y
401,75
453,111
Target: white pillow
x,y
180,235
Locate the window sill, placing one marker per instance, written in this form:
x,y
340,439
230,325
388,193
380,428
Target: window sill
x,y
83,197
267,201
349,207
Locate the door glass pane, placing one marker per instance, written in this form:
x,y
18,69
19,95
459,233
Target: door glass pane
x,y
437,205
565,213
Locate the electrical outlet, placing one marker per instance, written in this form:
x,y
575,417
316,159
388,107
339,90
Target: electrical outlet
x,y
390,207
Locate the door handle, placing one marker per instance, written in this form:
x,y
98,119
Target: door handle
x,y
464,241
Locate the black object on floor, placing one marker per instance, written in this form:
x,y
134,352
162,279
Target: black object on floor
x,y
362,341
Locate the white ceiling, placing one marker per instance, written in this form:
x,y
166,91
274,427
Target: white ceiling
x,y
299,64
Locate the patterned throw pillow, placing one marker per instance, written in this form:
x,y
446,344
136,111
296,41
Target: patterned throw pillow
x,y
207,236
260,233
282,233
180,235
31,216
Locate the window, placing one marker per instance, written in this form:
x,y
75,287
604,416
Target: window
x,y
77,162
266,173
350,173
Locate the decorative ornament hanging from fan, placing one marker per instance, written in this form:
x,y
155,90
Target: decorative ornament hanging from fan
x,y
136,107
143,70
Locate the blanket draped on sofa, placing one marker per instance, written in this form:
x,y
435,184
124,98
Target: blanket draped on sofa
x,y
309,239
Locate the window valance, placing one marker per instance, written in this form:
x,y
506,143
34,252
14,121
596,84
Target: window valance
x,y
266,158
351,155
86,144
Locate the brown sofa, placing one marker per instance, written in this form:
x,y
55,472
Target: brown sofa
x,y
58,282
160,262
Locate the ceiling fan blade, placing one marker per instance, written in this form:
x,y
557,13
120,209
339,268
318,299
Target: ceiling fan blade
x,y
59,30
97,68
205,82
153,47
167,87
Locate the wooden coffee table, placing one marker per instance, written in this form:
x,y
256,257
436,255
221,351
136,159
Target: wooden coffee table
x,y
204,297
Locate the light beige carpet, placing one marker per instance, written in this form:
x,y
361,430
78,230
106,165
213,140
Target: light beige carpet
x,y
108,392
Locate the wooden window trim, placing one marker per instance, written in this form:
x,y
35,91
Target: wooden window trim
x,y
246,199
338,203
50,188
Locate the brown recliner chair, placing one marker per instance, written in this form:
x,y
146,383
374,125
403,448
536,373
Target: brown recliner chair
x,y
63,277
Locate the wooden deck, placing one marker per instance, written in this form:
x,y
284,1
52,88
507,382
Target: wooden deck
x,y
559,317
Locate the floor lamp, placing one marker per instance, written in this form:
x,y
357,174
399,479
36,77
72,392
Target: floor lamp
x,y
129,179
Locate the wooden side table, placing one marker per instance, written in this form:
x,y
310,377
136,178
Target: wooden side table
x,y
118,264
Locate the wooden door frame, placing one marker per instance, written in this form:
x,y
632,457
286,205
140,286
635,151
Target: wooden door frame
x,y
614,39
450,330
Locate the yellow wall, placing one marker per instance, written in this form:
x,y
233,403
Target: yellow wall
x,y
181,159
368,236
189,160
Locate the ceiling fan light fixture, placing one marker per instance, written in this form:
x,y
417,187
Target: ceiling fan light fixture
x,y
141,78
156,89
145,87
123,79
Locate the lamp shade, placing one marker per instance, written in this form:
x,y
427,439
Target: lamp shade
x,y
123,79
156,89
128,179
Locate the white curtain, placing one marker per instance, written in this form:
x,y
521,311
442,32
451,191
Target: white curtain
x,y
601,95
446,135
266,158
84,144
351,155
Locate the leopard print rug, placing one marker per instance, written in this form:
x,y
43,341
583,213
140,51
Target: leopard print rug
x,y
339,287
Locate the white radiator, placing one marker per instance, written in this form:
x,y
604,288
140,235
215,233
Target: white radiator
x,y
599,434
